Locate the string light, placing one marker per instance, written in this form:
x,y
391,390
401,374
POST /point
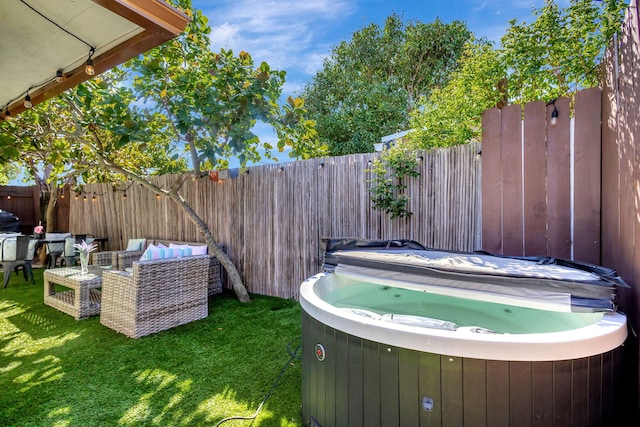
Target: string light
x,y
89,69
59,76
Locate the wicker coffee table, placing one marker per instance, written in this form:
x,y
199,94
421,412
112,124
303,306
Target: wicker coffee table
x,y
82,299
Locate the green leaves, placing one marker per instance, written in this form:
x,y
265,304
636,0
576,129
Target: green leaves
x,y
558,53
370,83
391,171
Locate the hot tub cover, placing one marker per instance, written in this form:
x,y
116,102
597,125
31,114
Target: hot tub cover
x,y
537,282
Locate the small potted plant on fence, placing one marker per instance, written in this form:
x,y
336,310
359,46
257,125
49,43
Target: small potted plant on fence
x,y
84,249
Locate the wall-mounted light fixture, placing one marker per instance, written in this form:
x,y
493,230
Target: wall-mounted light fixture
x,y
554,116
27,101
554,113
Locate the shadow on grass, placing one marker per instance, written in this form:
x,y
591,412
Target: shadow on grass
x,y
59,371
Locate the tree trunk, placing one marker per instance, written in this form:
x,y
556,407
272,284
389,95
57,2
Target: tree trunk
x,y
214,249
50,212
49,220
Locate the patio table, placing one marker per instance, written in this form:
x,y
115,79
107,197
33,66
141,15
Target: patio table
x,y
82,299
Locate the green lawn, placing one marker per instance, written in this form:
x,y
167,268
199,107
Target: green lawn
x,y
58,371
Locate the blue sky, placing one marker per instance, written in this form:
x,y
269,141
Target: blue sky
x,y
296,35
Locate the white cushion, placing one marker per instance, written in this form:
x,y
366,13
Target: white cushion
x,y
199,249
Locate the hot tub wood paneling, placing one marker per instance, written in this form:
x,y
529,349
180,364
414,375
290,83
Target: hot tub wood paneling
x,y
365,383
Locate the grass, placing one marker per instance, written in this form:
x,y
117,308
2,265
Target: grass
x,y
57,371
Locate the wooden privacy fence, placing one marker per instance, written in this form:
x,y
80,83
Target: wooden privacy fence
x,y
24,202
270,221
541,183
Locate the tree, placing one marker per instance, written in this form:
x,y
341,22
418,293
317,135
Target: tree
x,y
452,114
8,172
554,56
36,142
196,103
369,84
559,52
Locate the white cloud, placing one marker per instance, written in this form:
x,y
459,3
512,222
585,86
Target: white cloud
x,y
282,33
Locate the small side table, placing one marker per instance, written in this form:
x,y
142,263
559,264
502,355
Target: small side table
x,y
83,297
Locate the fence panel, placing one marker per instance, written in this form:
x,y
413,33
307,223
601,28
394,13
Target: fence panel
x,y
271,220
541,195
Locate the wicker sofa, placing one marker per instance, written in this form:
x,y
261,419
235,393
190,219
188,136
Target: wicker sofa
x,y
121,260
215,270
156,295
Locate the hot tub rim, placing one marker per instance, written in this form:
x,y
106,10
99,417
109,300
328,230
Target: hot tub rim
x,y
605,335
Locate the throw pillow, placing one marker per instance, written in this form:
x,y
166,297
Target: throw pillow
x,y
152,252
135,244
180,250
199,249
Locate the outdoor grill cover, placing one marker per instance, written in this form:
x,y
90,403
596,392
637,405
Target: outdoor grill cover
x,y
8,221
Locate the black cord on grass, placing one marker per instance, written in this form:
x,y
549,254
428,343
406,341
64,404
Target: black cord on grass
x,y
292,355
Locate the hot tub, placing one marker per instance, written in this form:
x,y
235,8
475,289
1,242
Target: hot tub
x,y
408,336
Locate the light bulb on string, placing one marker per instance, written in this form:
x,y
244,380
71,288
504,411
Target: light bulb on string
x,y
89,69
59,76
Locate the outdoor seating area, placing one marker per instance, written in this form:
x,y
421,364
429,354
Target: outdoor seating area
x,y
147,287
136,291
140,249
